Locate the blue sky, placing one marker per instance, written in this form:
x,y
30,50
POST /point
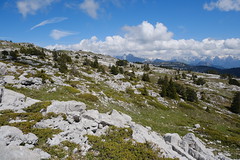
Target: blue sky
x,y
146,28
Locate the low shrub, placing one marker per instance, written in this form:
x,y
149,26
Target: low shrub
x,y
118,144
36,107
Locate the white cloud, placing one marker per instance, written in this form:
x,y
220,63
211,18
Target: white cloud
x,y
147,32
49,21
26,7
147,40
57,34
223,5
90,7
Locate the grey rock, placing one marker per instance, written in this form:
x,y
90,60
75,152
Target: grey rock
x,y
189,146
14,136
13,152
43,155
66,107
14,101
197,126
9,79
3,69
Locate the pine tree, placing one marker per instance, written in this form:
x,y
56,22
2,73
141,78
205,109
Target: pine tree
x,y
164,91
95,63
146,67
145,77
114,70
14,55
171,90
191,95
235,107
160,81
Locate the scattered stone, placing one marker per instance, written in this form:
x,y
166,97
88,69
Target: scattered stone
x,y
197,126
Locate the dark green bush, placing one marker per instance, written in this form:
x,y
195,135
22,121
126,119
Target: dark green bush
x,y
122,63
235,106
36,107
118,144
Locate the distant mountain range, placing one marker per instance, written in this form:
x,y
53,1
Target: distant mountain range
x,y
221,65
221,62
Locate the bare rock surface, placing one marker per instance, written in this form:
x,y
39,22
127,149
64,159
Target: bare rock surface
x,y
13,100
14,145
91,122
66,107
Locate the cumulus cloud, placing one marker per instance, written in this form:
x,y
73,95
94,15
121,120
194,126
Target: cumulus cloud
x,y
90,7
26,7
154,41
146,32
223,5
57,34
49,21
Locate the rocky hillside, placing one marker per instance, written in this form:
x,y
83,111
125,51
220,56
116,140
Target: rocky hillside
x,y
81,105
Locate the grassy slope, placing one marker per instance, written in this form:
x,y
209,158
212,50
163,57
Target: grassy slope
x,y
146,110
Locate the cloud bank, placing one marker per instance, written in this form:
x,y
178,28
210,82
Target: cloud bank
x,y
155,41
26,7
223,5
49,21
57,34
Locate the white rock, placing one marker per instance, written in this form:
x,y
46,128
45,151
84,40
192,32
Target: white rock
x,y
13,100
3,68
197,126
9,79
66,107
17,153
43,155
172,138
14,136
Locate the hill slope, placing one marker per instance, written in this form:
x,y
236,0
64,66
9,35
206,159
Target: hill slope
x,y
69,98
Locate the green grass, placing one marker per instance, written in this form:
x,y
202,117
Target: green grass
x,y
185,105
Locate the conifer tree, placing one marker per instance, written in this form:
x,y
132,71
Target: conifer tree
x,y
145,77
191,95
114,70
235,107
171,90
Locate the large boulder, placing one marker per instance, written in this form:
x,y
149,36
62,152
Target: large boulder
x,y
13,100
189,146
9,79
196,148
17,153
14,145
66,107
3,69
14,136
